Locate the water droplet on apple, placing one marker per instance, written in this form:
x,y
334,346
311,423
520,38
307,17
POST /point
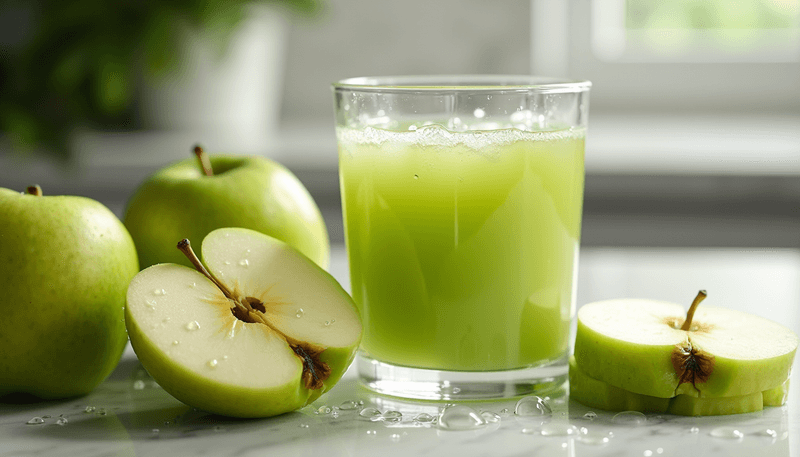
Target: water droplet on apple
x,y
532,406
558,429
244,263
460,417
424,418
730,433
138,385
35,421
595,438
416,176
151,304
193,325
227,262
348,405
371,414
591,415
631,418
392,416
694,430
89,409
212,363
61,421
165,320
194,284
175,342
299,313
490,417
224,357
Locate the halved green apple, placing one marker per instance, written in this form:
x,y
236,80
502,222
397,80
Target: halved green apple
x,y
648,347
263,331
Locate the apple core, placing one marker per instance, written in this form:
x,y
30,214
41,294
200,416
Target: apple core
x,y
252,310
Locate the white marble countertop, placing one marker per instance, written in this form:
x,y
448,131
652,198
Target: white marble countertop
x,y
130,415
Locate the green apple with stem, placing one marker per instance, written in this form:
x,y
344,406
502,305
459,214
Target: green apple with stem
x,y
67,262
602,395
254,330
190,198
648,347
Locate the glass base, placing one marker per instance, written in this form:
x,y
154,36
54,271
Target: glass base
x,y
426,384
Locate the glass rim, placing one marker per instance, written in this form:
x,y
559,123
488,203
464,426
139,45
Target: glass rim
x,y
443,84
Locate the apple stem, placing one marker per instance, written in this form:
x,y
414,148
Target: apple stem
x,y
687,324
186,247
205,163
35,190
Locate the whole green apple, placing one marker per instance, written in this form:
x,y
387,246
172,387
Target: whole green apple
x,y
66,265
189,200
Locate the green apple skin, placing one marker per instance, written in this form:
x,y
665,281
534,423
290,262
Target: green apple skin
x,y
208,395
598,394
180,202
602,395
647,368
66,265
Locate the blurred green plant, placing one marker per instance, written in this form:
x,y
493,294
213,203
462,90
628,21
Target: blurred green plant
x,y
81,60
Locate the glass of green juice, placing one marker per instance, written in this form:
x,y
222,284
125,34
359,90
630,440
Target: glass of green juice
x,y
462,200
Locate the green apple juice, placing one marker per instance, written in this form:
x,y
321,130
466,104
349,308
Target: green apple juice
x,y
463,245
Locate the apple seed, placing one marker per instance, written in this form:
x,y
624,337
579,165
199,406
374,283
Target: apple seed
x,y
251,310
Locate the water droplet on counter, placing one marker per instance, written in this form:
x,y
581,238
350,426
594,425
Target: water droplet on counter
x,y
595,438
335,414
212,363
730,433
323,410
490,417
89,409
460,417
768,433
647,453
61,421
35,421
303,425
424,418
556,429
193,325
532,406
372,432
159,292
395,437
591,415
504,412
155,431
348,405
138,385
694,430
392,416
299,313
244,263
219,428
631,418
101,412
371,414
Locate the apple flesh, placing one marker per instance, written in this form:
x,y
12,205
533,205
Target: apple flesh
x,y
266,332
638,345
183,201
66,265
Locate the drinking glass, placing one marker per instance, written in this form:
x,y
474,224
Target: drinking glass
x,y
462,199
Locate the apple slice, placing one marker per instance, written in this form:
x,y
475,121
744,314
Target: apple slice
x,y
647,347
264,331
602,395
